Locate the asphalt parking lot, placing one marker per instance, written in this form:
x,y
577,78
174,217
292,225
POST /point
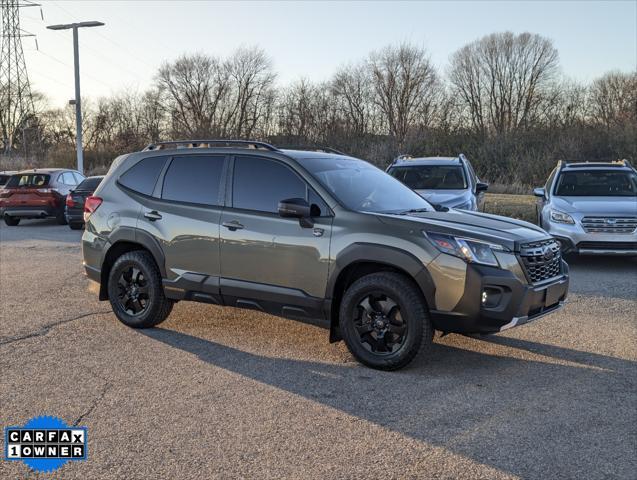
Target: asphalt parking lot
x,y
217,393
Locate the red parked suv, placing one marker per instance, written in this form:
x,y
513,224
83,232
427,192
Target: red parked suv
x,y
37,193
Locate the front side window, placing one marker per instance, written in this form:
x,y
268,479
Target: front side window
x,y
79,178
360,186
194,179
67,179
260,184
597,183
142,176
431,177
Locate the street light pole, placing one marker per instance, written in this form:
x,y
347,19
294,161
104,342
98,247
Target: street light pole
x,y
78,100
78,104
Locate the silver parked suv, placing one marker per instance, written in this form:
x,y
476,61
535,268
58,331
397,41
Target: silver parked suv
x,y
310,235
447,181
591,208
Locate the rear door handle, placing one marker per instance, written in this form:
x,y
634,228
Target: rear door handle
x,y
233,225
152,216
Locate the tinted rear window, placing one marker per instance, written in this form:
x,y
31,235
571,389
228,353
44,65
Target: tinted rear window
x,y
142,176
90,184
4,179
597,183
194,179
29,180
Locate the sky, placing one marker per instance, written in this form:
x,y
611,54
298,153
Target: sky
x,y
305,39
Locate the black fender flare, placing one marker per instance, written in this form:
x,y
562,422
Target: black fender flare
x,y
383,254
146,240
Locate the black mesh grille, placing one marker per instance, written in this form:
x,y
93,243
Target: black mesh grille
x,y
542,260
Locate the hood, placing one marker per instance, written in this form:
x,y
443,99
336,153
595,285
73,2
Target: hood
x,y
607,206
505,231
448,198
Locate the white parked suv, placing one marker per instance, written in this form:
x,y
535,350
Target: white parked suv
x,y
591,207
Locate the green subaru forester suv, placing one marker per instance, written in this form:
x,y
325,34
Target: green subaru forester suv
x,y
311,235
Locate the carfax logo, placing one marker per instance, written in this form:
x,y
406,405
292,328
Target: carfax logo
x,y
45,443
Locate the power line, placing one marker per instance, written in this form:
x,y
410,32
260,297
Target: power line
x,y
71,66
126,50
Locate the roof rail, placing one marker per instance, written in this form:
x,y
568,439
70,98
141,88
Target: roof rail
x,y
312,148
625,162
251,144
400,158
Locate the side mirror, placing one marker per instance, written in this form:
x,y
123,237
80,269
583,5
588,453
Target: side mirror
x,y
539,192
481,187
296,208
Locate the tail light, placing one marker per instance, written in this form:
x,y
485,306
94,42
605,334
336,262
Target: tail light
x,y
69,201
90,205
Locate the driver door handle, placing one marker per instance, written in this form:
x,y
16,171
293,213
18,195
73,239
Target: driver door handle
x,y
233,225
153,215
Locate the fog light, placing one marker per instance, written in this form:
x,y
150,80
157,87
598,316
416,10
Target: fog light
x,y
491,297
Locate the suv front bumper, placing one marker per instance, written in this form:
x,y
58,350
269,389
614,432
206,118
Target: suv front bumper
x,y
575,239
509,301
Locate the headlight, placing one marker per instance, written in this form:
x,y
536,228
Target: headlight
x,y
469,249
561,217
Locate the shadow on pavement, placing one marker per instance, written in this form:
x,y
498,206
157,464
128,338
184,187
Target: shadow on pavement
x,y
529,418
40,230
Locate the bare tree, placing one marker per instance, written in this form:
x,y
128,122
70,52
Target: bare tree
x,y
353,90
194,89
403,78
613,99
250,71
502,79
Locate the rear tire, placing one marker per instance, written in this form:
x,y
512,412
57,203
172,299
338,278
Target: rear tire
x,y
11,221
398,314
76,226
136,292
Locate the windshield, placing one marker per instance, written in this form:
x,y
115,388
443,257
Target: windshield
x,y
597,183
431,177
360,186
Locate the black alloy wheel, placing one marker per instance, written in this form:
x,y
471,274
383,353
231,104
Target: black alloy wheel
x,y
379,324
132,291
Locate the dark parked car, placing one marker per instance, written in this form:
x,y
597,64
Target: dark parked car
x,y
310,235
75,201
37,193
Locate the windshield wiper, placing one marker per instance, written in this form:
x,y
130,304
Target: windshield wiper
x,y
415,210
440,208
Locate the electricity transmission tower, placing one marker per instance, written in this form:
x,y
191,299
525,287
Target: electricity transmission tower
x,y
16,100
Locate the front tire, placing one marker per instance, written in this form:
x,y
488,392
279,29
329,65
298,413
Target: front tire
x,y
76,226
384,320
11,221
135,291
